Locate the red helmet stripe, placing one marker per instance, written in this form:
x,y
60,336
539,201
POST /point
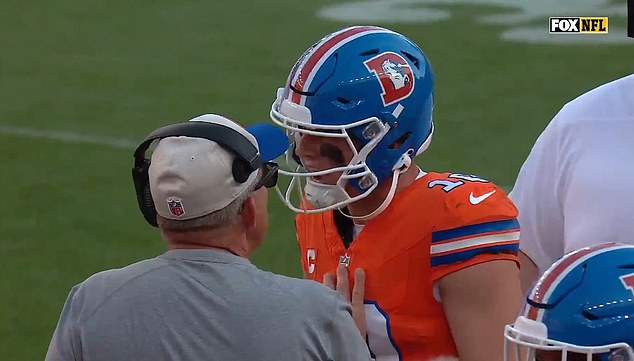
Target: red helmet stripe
x,y
549,281
305,72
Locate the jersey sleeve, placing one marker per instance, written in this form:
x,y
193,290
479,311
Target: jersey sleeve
x,y
480,225
535,194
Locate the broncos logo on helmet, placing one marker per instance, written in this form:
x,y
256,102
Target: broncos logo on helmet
x,y
394,74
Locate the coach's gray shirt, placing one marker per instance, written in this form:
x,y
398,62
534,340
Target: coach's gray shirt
x,y
202,304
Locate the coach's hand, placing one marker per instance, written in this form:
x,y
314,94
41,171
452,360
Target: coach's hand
x,y
341,283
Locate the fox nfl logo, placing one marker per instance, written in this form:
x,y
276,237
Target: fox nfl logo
x,y
578,25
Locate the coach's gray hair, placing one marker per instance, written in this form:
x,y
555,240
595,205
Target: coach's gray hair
x,y
223,217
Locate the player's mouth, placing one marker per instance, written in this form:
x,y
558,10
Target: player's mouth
x,y
314,169
318,179
328,178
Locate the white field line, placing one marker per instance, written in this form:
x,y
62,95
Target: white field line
x,y
72,137
68,137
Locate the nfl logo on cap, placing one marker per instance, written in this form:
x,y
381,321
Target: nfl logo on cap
x,y
176,207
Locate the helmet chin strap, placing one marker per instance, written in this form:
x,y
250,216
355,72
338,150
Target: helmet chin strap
x,y
404,163
324,195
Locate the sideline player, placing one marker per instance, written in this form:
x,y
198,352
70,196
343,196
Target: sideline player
x,y
439,250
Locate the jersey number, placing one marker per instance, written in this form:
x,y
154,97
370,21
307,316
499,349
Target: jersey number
x,y
448,185
380,340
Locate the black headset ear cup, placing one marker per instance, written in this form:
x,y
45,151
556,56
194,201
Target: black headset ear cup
x,y
149,209
141,178
240,170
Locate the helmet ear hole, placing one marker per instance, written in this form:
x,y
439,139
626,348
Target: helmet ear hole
x,y
400,141
589,315
370,52
412,58
345,103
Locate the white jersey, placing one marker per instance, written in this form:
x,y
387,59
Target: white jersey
x,y
576,188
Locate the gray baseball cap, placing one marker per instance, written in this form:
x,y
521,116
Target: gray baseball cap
x,y
192,177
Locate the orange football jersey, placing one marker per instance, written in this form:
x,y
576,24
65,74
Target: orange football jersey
x,y
440,224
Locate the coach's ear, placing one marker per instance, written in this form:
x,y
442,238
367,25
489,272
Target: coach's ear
x,y
248,215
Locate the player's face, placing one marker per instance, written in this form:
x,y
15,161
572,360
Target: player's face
x,y
321,153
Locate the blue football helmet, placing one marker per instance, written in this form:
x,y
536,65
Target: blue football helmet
x,y
582,306
370,86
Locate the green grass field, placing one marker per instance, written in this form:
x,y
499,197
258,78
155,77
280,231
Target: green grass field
x,y
120,69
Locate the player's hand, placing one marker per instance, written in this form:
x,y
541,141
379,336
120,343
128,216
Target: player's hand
x,y
341,284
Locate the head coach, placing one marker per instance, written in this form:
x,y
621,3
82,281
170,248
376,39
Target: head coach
x,y
204,187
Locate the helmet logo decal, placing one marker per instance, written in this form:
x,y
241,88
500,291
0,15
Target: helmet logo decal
x,y
628,281
394,74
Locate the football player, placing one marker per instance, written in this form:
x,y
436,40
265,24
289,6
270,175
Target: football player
x,y
580,309
439,250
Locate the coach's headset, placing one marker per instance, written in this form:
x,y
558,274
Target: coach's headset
x,y
247,158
